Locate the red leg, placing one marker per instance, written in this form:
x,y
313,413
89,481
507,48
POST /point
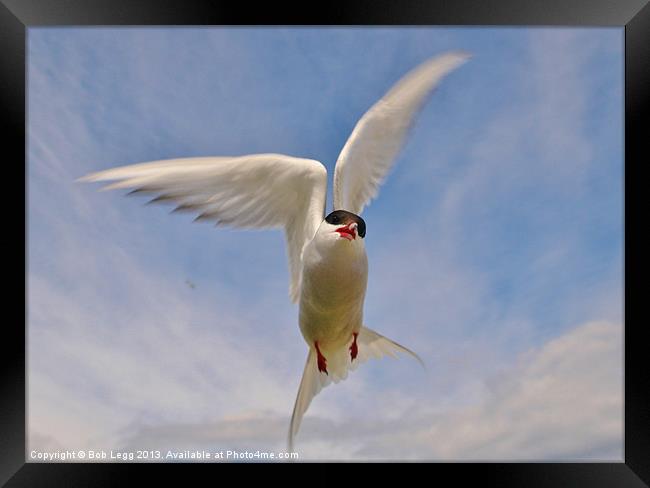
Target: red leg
x,y
354,350
322,362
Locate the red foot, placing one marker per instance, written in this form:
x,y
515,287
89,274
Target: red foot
x,y
354,350
322,362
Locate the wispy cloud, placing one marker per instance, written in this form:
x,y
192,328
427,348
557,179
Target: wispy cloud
x,y
572,384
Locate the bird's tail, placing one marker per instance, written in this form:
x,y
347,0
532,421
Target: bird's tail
x,y
370,345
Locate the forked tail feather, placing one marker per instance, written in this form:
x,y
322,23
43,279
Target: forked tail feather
x,y
370,345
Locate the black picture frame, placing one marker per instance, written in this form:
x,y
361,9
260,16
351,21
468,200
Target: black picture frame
x,y
632,15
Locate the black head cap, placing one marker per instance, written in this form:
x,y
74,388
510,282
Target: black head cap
x,y
343,217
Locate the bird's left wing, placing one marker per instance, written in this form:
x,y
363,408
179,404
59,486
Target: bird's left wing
x,y
255,191
375,141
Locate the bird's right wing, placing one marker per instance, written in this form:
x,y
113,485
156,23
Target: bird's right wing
x,y
370,151
255,191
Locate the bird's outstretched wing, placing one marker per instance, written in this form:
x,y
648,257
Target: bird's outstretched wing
x,y
375,141
255,191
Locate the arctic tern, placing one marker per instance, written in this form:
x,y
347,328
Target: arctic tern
x,y
328,265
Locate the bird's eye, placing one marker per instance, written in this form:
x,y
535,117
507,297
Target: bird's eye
x,y
335,219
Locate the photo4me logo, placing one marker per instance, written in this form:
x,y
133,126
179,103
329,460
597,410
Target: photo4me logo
x,y
95,455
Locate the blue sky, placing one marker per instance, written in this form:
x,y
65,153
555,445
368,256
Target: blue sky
x,y
506,278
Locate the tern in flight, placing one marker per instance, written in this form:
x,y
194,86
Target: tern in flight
x,y
328,266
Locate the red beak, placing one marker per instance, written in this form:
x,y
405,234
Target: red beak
x,y
347,232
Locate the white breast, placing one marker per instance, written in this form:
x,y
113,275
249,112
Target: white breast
x,y
334,278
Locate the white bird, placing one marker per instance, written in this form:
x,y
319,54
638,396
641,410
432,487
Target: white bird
x,y
327,258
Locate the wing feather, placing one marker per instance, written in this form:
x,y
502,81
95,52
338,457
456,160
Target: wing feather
x,y
375,141
255,191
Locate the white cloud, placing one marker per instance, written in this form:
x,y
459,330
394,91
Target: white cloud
x,y
165,353
563,401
